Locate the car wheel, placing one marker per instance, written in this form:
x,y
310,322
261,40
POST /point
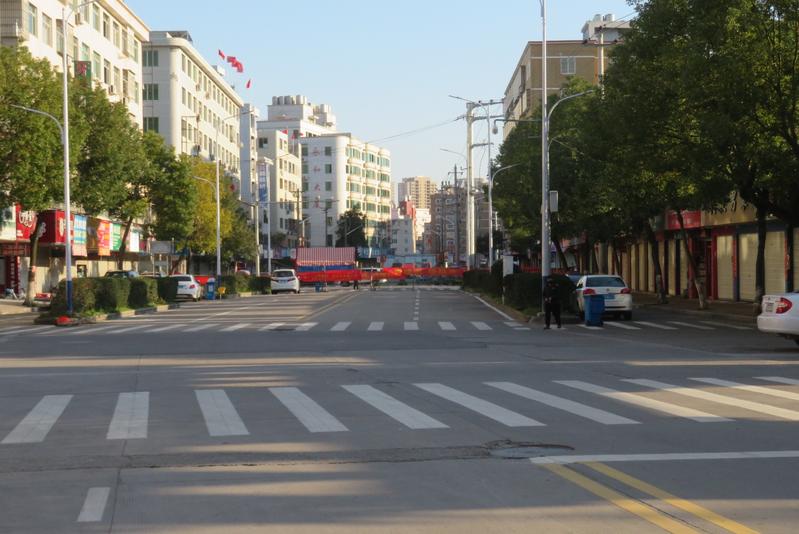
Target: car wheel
x,y
628,316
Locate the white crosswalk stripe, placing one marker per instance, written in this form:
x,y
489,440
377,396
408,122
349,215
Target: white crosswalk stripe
x,y
481,325
692,325
408,416
645,402
727,325
622,325
130,416
375,326
128,329
304,327
271,326
219,413
25,330
411,325
198,328
655,325
89,331
446,325
94,504
307,411
595,414
481,406
779,380
163,328
754,389
37,424
775,411
587,327
235,327
340,327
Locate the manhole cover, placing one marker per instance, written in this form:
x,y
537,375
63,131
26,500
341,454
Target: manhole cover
x,y
515,450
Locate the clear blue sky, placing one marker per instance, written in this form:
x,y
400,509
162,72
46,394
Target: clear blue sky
x,y
385,67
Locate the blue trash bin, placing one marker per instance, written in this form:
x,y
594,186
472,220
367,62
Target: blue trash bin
x,y
594,309
210,289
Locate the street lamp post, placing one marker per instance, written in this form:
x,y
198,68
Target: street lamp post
x,y
491,211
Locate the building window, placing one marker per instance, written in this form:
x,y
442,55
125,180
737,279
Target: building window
x,y
328,186
117,38
328,151
262,142
304,150
96,65
568,65
106,26
33,19
150,58
151,124
328,169
59,37
150,91
106,72
96,17
47,30
117,80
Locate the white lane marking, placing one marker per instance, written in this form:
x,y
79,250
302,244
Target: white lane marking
x,y
94,505
35,426
235,327
219,413
271,326
665,457
310,414
645,402
410,417
128,329
782,413
483,407
375,327
595,414
411,325
779,380
513,324
89,331
725,325
130,416
304,327
622,325
340,327
481,325
692,325
446,325
589,327
163,328
489,306
754,389
655,325
201,327
26,330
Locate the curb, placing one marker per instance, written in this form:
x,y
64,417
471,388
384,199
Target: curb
x,y
108,316
707,314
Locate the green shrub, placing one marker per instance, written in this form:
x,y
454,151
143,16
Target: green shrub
x,y
83,300
111,293
167,289
143,292
523,290
260,284
230,284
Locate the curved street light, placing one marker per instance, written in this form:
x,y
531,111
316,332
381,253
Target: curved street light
x,y
491,211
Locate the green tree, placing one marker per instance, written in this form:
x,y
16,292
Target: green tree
x,y
351,229
173,192
239,243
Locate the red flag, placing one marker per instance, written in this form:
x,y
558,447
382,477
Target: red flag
x,y
249,83
232,60
240,68
221,54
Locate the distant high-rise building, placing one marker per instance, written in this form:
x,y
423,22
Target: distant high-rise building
x,y
418,189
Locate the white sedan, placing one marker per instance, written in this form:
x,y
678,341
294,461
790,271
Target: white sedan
x,y
285,280
188,286
780,315
618,298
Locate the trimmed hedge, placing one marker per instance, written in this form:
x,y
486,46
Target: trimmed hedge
x,y
260,284
83,300
522,290
106,294
111,293
143,292
167,288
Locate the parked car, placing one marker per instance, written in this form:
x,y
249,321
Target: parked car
x,y
188,286
122,274
618,297
780,315
285,280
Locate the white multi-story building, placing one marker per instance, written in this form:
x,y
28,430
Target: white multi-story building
x,y
422,218
249,153
106,35
403,236
189,102
339,172
284,188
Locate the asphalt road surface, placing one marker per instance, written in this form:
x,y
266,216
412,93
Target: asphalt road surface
x,y
397,410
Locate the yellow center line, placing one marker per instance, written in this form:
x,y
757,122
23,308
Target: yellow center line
x,y
673,500
336,302
643,511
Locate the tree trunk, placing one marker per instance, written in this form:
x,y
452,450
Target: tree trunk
x,y
594,258
617,259
603,257
30,293
660,289
760,264
123,245
700,285
791,251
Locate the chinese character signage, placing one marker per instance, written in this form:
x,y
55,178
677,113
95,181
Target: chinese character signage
x,y
8,224
79,235
98,237
26,222
134,240
55,227
263,183
116,236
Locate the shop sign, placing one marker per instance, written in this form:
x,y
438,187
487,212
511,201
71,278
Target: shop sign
x,y
26,222
691,219
55,227
79,235
116,236
98,236
134,240
15,249
8,224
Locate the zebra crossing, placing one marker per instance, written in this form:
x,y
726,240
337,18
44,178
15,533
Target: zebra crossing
x,y
507,404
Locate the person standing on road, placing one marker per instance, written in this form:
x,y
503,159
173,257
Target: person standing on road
x,y
551,302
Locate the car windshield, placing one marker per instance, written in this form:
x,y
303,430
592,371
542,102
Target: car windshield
x,y
182,278
604,281
283,274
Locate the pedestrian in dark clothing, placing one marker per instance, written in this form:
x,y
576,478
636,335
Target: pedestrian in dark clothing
x,y
551,302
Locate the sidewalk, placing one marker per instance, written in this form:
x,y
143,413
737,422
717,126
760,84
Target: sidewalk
x,y
718,310
13,307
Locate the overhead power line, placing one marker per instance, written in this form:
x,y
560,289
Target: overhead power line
x,y
418,130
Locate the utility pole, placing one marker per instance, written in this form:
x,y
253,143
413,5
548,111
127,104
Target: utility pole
x,y
469,186
455,173
545,267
